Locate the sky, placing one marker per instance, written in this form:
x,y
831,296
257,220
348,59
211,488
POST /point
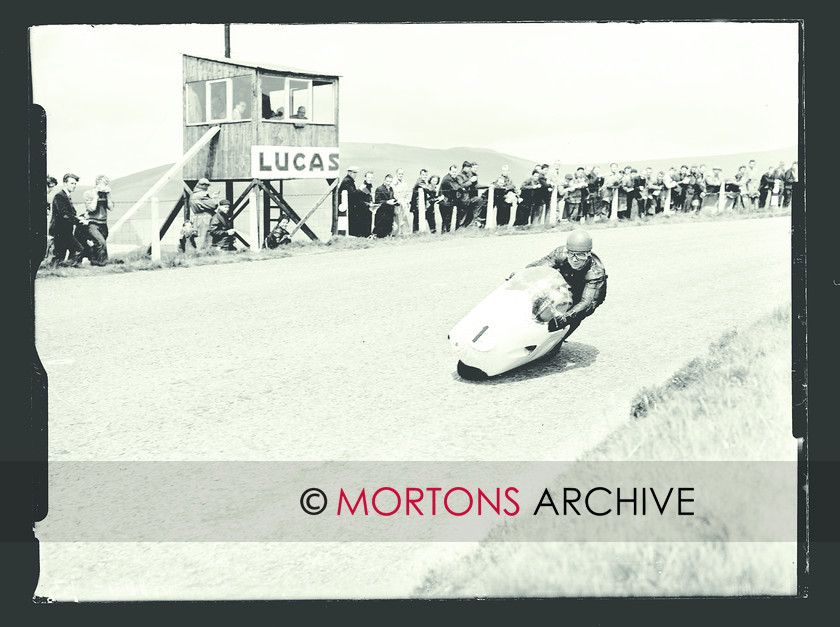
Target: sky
x,y
579,92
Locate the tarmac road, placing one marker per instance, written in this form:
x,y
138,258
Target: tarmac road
x,y
344,356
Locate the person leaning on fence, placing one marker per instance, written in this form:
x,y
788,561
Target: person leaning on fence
x,y
63,224
203,205
98,203
402,194
384,199
449,189
437,197
594,187
791,179
221,228
529,193
429,197
765,186
279,235
464,208
751,189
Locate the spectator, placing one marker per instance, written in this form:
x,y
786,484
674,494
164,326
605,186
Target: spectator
x,y
765,186
449,188
429,199
610,188
563,193
671,184
508,181
366,206
656,191
477,200
751,184
574,195
791,179
465,206
529,192
713,183
52,185
279,235
434,185
98,203
238,112
779,183
384,198
221,227
693,189
734,188
203,205
63,222
187,234
555,184
625,190
678,196
595,183
300,114
348,184
502,201
402,194
540,210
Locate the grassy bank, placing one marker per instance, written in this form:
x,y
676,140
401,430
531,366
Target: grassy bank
x,y
139,261
733,404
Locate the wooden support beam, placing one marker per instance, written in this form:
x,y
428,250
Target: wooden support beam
x,y
154,189
266,185
311,211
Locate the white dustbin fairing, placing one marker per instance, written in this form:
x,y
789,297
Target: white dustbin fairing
x,y
509,328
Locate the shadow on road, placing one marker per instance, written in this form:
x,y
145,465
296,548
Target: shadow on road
x,y
572,355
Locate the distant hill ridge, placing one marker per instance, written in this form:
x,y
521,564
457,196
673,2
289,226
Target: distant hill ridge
x,y
386,158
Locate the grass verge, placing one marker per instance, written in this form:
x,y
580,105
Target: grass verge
x,y
138,261
734,404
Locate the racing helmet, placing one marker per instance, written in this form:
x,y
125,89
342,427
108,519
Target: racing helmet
x,y
579,241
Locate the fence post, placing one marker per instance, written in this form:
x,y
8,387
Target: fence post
x,y
421,210
155,220
552,207
453,223
491,209
343,223
614,212
667,203
722,197
253,223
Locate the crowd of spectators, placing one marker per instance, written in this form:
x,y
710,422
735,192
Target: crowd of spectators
x,y
454,201
587,194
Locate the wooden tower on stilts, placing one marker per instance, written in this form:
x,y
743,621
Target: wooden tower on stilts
x,y
275,124
254,126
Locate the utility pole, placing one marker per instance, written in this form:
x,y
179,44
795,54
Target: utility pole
x,y
227,41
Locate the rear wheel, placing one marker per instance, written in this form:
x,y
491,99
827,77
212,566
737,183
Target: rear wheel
x,y
470,373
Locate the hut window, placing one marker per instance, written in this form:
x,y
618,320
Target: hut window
x,y
219,100
292,99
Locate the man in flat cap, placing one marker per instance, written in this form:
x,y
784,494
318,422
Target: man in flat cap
x,y
203,205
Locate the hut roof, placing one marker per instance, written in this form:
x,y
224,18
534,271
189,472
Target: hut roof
x,y
263,66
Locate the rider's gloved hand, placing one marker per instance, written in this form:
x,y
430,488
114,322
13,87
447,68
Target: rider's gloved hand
x,y
555,324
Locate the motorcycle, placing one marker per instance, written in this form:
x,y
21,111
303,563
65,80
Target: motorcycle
x,y
509,328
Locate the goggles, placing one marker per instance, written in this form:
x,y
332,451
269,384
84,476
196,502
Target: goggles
x,y
579,256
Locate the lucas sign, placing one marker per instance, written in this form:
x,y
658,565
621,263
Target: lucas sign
x,y
293,162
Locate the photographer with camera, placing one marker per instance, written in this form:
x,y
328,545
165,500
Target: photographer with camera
x,y
98,203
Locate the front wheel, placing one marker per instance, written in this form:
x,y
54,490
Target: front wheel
x,y
470,373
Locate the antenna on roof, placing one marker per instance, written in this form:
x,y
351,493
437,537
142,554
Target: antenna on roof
x,y
227,41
